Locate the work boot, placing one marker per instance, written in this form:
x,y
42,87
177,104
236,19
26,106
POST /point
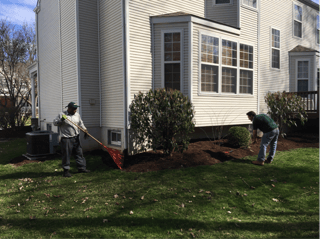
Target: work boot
x,y
268,161
66,173
83,171
258,163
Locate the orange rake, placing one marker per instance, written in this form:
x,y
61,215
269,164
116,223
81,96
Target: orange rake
x,y
115,154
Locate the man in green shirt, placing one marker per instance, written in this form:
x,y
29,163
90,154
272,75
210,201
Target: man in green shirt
x,y
270,136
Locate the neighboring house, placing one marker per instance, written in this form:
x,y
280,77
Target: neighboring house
x,y
225,55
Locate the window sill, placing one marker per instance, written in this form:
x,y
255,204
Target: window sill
x,y
250,8
226,95
275,69
298,38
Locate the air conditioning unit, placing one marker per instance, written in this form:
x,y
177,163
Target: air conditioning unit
x,y
41,143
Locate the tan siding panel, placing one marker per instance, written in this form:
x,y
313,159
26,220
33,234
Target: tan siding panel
x,y
89,62
111,48
69,51
225,13
49,61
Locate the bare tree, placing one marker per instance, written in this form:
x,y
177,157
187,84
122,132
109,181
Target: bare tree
x,y
17,52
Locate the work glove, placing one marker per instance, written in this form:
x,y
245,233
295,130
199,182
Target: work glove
x,y
63,118
86,134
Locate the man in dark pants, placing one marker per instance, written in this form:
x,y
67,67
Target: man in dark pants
x,y
70,140
270,136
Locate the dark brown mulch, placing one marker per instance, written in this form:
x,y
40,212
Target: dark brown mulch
x,y
200,152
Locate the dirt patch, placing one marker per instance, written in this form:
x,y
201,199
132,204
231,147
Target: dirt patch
x,y
200,152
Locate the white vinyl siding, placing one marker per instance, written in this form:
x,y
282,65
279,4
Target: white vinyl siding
x,y
224,13
140,55
49,61
111,48
89,62
69,52
280,16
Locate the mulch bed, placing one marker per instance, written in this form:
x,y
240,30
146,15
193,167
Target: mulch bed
x,y
200,152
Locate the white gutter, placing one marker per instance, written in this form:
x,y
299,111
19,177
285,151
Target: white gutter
x,y
259,78
190,70
98,6
78,57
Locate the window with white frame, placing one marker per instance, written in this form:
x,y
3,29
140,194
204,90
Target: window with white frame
x,y
172,60
220,56
246,69
210,70
229,74
115,137
275,49
251,3
318,29
318,76
297,22
222,1
302,75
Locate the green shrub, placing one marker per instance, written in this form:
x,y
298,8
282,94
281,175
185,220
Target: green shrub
x,y
239,136
161,118
284,108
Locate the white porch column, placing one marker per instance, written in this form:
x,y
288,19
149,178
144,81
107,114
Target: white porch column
x,y
33,97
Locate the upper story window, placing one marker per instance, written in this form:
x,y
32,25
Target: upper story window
x,y
251,3
275,47
233,73
217,2
297,21
172,60
318,29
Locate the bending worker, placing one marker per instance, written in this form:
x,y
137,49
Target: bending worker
x,y
70,140
270,136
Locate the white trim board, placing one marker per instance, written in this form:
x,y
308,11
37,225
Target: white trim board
x,y
193,19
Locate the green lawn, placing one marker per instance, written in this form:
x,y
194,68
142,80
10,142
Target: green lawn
x,y
206,201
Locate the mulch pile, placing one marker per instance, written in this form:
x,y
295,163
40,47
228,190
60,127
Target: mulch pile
x,y
200,152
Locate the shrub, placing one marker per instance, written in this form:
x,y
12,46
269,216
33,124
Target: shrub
x,y
284,108
239,136
162,118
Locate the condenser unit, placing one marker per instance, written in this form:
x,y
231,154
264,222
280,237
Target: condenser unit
x,y
41,143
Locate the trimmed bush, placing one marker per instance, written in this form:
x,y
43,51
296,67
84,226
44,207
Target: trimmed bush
x,y
162,118
239,136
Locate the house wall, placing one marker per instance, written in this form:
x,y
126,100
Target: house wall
x,y
158,54
223,109
112,67
89,62
279,15
224,13
140,50
49,62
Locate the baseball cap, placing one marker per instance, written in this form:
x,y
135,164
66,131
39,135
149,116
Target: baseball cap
x,y
73,105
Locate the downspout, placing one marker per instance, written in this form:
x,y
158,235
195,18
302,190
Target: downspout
x,y
258,85
78,56
61,80
38,65
124,52
190,60
152,53
98,6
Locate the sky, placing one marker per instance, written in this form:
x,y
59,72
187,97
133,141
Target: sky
x,y
20,11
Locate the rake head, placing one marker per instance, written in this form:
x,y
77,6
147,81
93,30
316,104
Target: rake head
x,y
115,155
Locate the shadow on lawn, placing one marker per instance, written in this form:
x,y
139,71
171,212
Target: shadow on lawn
x,y
94,227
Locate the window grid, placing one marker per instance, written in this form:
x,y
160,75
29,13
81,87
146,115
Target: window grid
x,y
229,53
229,79
303,75
222,1
209,49
246,56
209,78
251,3
297,23
275,47
245,82
172,57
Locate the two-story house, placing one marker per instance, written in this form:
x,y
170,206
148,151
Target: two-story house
x,y
225,55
